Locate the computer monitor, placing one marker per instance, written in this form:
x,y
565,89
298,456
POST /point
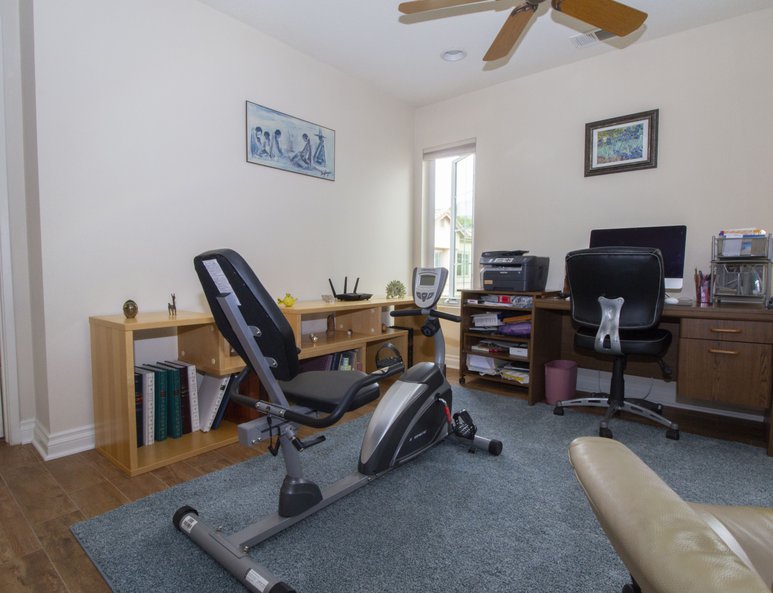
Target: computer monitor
x,y
669,239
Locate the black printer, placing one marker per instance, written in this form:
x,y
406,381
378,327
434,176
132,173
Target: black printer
x,y
513,271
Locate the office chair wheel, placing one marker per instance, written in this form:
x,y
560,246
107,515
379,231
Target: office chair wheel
x,y
673,434
558,411
605,432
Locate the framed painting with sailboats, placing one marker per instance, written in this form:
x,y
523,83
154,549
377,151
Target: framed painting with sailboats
x,y
278,140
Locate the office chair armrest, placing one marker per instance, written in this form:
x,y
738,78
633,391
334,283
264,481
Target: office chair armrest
x,y
341,408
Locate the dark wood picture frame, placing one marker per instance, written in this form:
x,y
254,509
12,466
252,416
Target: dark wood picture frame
x,y
624,143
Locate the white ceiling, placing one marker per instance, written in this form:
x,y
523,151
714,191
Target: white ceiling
x,y
371,40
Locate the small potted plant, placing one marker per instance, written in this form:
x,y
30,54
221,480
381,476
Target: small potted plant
x,y
395,290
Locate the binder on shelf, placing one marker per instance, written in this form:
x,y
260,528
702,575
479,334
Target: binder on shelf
x,y
174,419
148,383
189,394
223,404
138,408
211,392
160,394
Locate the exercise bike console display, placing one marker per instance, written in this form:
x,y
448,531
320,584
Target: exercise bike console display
x,y
428,285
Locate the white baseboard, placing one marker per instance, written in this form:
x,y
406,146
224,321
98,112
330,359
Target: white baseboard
x,y
452,361
67,442
26,430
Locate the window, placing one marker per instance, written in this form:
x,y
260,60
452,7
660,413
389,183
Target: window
x,y
449,205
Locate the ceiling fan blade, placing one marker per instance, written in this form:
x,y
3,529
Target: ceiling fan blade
x,y
424,5
608,15
510,32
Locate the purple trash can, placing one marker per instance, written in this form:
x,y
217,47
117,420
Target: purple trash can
x,y
560,380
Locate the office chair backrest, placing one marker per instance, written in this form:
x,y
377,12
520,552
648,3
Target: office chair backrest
x,y
276,339
633,273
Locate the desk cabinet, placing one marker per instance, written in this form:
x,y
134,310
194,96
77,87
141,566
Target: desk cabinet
x,y
726,362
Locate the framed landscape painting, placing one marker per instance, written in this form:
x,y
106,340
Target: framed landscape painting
x,y
625,143
275,139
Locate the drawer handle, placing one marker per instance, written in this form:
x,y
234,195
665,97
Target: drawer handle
x,y
722,330
718,351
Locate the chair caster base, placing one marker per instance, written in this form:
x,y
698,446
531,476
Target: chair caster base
x,y
558,411
673,434
605,432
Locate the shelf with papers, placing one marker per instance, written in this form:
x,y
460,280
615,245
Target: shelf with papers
x,y
495,337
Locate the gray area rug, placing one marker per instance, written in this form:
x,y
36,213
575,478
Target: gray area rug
x,y
449,521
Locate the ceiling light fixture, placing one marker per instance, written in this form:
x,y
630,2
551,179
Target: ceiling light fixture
x,y
454,55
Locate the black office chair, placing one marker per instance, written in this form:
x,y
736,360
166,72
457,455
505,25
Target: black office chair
x,y
617,298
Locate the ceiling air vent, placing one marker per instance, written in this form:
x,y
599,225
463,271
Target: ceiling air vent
x,y
589,38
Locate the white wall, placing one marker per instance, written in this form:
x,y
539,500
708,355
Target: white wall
x,y
714,90
141,157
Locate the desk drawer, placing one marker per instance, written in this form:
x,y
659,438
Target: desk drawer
x,y
725,372
728,330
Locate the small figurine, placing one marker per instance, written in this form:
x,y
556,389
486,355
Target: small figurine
x,y
395,290
172,307
130,309
288,300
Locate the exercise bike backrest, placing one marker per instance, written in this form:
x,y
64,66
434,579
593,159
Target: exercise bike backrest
x,y
222,271
428,285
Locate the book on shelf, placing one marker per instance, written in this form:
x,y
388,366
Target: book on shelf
x,y
486,320
159,402
148,385
516,374
490,347
517,318
521,350
348,361
484,364
211,392
174,419
189,396
223,404
138,409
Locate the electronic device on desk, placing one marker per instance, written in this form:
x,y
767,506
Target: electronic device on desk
x,y
428,286
349,296
669,239
513,271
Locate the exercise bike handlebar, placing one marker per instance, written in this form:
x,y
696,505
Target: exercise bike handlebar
x,y
429,312
339,410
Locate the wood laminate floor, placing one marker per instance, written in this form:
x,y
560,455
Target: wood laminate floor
x,y
39,500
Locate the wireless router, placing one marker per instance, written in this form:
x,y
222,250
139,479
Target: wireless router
x,y
349,296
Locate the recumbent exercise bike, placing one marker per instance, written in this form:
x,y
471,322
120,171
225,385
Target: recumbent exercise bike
x,y
411,417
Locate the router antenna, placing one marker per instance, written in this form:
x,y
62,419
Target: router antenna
x,y
332,287
356,284
346,279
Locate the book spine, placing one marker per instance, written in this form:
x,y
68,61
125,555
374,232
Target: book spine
x,y
161,405
138,407
174,410
185,399
148,406
193,397
225,396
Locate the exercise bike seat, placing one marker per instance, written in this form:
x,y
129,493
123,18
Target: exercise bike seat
x,y
318,390
322,390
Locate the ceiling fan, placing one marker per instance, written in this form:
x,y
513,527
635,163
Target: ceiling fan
x,y
611,16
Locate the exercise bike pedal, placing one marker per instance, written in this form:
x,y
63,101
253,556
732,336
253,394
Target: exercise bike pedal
x,y
464,427
301,445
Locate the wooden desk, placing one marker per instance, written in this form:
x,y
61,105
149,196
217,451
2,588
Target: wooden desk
x,y
721,356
